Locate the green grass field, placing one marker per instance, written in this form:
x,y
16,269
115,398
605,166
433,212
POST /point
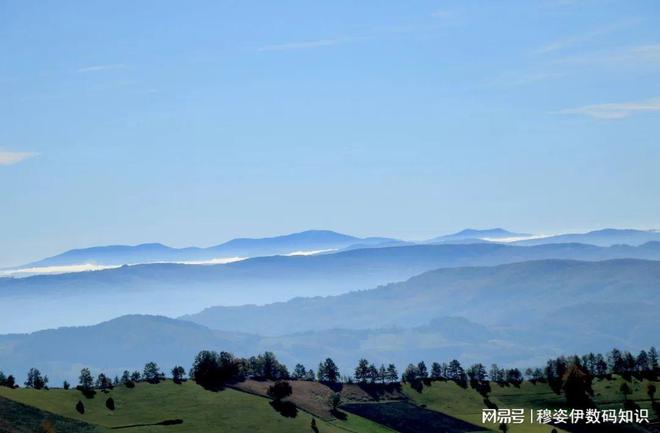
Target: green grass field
x,y
467,404
201,411
139,410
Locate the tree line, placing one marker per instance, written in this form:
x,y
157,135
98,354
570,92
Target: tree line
x,y
215,369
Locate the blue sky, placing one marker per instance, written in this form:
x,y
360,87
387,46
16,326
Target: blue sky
x,y
130,122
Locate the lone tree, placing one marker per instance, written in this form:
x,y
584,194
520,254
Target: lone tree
x,y
35,379
126,380
362,371
328,371
299,372
80,407
66,385
178,374
280,390
152,372
392,375
650,390
85,381
103,382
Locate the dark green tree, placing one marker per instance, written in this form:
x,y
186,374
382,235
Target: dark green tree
x,y
85,380
477,372
328,371
392,373
280,390
178,374
422,371
436,371
362,371
151,373
653,361
103,382
35,379
299,372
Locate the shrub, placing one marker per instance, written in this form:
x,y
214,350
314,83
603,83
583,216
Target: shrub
x,y
280,390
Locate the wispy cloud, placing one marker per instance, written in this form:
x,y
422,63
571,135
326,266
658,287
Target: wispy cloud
x,y
302,45
444,15
442,18
521,78
10,158
615,110
629,56
580,39
98,68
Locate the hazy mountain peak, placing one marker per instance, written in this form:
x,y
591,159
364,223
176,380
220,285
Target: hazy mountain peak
x,y
602,237
305,242
470,234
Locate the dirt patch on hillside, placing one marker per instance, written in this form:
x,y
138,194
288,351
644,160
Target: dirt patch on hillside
x,y
313,397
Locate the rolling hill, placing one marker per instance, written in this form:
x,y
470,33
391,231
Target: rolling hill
x,y
516,314
510,294
604,238
176,289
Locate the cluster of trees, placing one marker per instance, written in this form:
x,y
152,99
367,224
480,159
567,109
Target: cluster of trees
x,y
36,380
151,374
8,381
366,372
643,366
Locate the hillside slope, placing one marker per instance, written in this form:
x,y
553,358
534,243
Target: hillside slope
x,y
517,314
171,289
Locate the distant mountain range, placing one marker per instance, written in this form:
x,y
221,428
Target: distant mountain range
x,y
296,243
504,295
47,301
303,243
605,238
517,315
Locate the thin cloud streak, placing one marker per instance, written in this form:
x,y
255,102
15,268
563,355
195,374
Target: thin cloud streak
x,y
98,68
302,45
572,41
649,53
10,158
611,111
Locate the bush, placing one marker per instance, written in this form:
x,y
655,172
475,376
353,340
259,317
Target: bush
x,y
110,403
80,407
280,390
